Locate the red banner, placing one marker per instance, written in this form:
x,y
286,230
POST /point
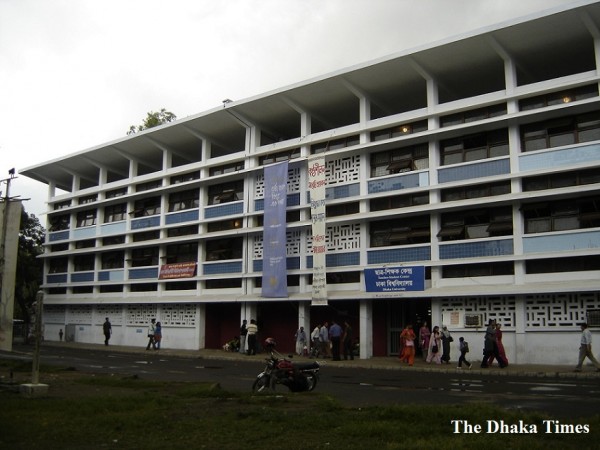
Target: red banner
x,y
177,270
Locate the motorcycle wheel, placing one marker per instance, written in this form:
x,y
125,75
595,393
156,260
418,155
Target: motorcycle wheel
x,y
311,381
262,383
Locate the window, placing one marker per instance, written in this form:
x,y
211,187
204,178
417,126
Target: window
x,y
86,218
113,260
559,132
180,286
399,201
278,157
85,244
290,216
146,236
343,209
563,215
223,225
478,270
60,223
225,193
475,147
185,177
410,230
146,207
62,205
179,201
558,98
182,231
88,199
475,191
144,287
149,185
559,265
473,115
400,160
221,249
111,288
59,247
58,265
116,193
147,256
83,263
187,252
563,179
223,283
476,224
227,168
334,144
115,213
113,240
399,130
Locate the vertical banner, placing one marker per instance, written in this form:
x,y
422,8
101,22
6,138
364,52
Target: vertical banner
x,y
316,188
274,279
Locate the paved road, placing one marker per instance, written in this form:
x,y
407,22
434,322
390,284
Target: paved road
x,y
352,386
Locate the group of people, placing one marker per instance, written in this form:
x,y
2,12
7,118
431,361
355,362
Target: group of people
x,y
247,341
154,335
332,341
435,346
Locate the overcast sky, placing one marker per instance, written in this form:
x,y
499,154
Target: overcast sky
x,y
77,73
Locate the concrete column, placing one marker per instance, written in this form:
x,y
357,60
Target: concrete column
x,y
366,329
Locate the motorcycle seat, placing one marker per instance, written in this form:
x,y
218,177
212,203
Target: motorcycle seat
x,y
307,366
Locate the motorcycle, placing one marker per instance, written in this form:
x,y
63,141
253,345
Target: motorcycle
x,y
279,370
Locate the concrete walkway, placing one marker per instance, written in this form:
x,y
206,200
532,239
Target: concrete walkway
x,y
389,363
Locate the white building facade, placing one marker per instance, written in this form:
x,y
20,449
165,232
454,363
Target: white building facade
x,y
477,159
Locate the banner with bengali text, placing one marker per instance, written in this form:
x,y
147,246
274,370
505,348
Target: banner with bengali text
x,y
177,270
274,277
316,187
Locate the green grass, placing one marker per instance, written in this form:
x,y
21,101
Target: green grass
x,y
97,412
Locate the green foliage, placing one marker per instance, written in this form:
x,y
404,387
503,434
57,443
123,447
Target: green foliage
x,y
29,267
153,119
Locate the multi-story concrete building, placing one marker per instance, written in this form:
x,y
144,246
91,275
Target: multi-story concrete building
x,y
473,163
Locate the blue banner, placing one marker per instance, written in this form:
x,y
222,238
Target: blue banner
x,y
395,279
274,278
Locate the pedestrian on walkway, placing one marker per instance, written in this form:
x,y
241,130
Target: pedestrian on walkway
x,y
251,337
408,338
347,341
107,330
435,343
324,340
585,349
424,336
335,334
151,330
300,341
447,339
243,333
158,335
463,347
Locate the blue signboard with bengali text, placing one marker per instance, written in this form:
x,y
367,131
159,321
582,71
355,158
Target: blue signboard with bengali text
x,y
395,279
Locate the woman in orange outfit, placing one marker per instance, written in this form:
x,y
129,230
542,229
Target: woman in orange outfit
x,y
408,338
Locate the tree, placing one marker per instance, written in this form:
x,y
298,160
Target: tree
x,y
153,119
30,268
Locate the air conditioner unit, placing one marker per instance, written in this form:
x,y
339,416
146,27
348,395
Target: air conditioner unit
x,y
473,320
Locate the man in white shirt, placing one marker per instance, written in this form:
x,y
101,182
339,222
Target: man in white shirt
x,y
585,350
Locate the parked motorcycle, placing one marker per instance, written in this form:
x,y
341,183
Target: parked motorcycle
x,y
279,370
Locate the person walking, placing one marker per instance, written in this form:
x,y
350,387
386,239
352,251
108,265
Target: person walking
x,y
243,333
408,338
157,335
324,340
252,329
315,341
151,331
424,336
107,330
300,341
585,349
447,339
500,346
490,347
463,348
435,343
335,334
347,342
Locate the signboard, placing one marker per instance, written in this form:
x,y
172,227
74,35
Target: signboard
x,y
395,279
177,270
316,188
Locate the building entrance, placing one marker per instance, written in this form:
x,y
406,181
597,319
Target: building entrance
x,y
401,312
